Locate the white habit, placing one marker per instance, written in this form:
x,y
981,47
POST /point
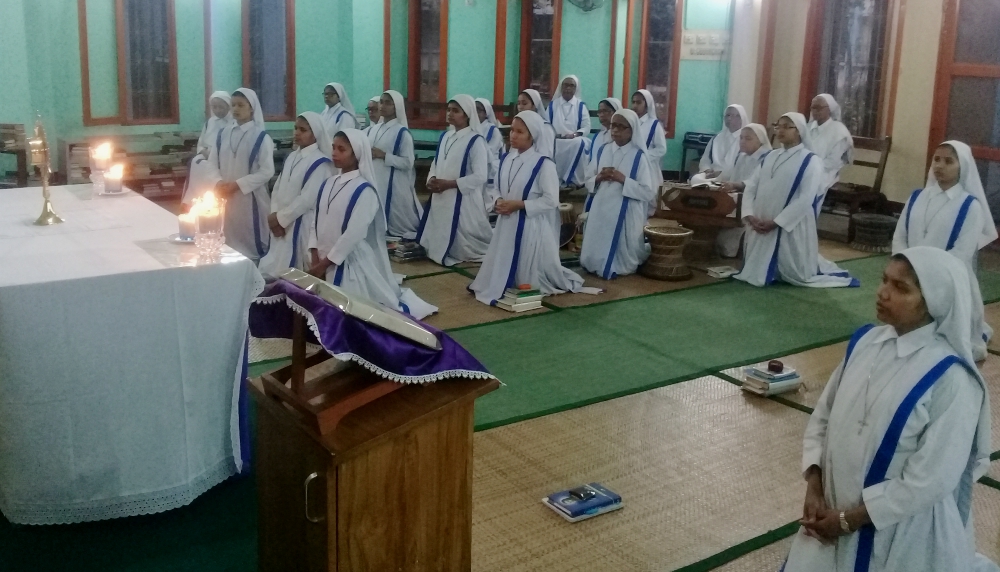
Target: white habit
x,y
455,227
723,149
957,220
340,116
349,229
598,140
494,144
655,140
199,169
294,196
570,117
918,496
522,250
613,241
245,154
742,169
395,175
782,190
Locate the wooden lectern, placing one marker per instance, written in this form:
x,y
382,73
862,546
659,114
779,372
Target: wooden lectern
x,y
357,473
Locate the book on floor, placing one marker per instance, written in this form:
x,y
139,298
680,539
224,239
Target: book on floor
x,y
583,502
760,370
518,306
721,271
766,388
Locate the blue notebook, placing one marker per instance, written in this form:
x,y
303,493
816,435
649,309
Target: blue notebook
x,y
573,509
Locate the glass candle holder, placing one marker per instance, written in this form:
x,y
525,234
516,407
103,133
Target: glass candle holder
x,y
210,235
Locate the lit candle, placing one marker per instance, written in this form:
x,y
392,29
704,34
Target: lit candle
x,y
209,214
102,157
188,224
113,179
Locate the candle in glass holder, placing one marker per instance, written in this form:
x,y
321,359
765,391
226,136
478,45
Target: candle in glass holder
x,y
113,179
101,157
188,225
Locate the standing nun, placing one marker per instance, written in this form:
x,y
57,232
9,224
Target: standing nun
x,y
830,140
374,116
723,149
781,241
339,113
754,144
347,242
570,119
489,129
522,250
654,138
900,434
455,227
294,196
614,244
951,213
222,116
243,161
393,158
531,100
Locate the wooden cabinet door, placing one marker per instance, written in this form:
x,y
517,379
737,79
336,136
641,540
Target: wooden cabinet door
x,y
291,534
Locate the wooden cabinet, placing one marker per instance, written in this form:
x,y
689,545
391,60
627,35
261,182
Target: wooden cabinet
x,y
389,489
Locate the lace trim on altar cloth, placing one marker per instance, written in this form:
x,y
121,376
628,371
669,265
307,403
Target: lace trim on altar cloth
x,y
105,509
348,356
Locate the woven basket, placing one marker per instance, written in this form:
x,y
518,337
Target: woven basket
x,y
666,258
873,232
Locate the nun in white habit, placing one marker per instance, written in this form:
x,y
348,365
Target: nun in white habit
x,y
613,241
754,144
522,250
531,100
339,113
294,196
220,103
242,164
374,117
347,242
605,109
653,136
393,158
455,227
781,242
900,434
829,139
951,213
724,148
570,119
489,129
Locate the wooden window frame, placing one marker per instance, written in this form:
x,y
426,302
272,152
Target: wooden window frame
x,y
675,58
947,69
413,67
524,75
121,118
812,55
289,114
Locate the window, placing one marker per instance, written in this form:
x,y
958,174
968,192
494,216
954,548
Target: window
x,y
146,64
540,38
659,55
967,90
428,62
269,55
851,61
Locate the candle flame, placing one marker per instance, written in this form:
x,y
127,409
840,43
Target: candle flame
x,y
116,172
103,151
188,217
207,205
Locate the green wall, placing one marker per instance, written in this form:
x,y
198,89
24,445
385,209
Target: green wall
x,y
336,40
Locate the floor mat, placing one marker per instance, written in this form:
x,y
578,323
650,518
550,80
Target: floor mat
x,y
457,306
667,452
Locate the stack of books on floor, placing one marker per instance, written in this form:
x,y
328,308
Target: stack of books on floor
x,y
583,502
721,271
763,380
520,299
407,251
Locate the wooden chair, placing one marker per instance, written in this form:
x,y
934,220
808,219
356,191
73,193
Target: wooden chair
x,y
856,197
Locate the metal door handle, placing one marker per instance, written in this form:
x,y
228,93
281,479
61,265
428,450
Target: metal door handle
x,y
309,480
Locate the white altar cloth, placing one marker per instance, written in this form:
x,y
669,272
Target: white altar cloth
x,y
120,358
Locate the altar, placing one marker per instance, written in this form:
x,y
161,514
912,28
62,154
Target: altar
x,y
122,355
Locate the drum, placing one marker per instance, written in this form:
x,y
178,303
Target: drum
x,y
666,257
873,232
567,229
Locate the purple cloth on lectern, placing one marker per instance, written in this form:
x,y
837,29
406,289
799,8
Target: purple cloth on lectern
x,y
348,338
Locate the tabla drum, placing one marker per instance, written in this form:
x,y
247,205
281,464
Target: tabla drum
x,y
567,228
873,232
666,256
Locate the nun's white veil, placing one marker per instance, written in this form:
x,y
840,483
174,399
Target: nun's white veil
x,y
400,104
251,96
970,181
323,139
